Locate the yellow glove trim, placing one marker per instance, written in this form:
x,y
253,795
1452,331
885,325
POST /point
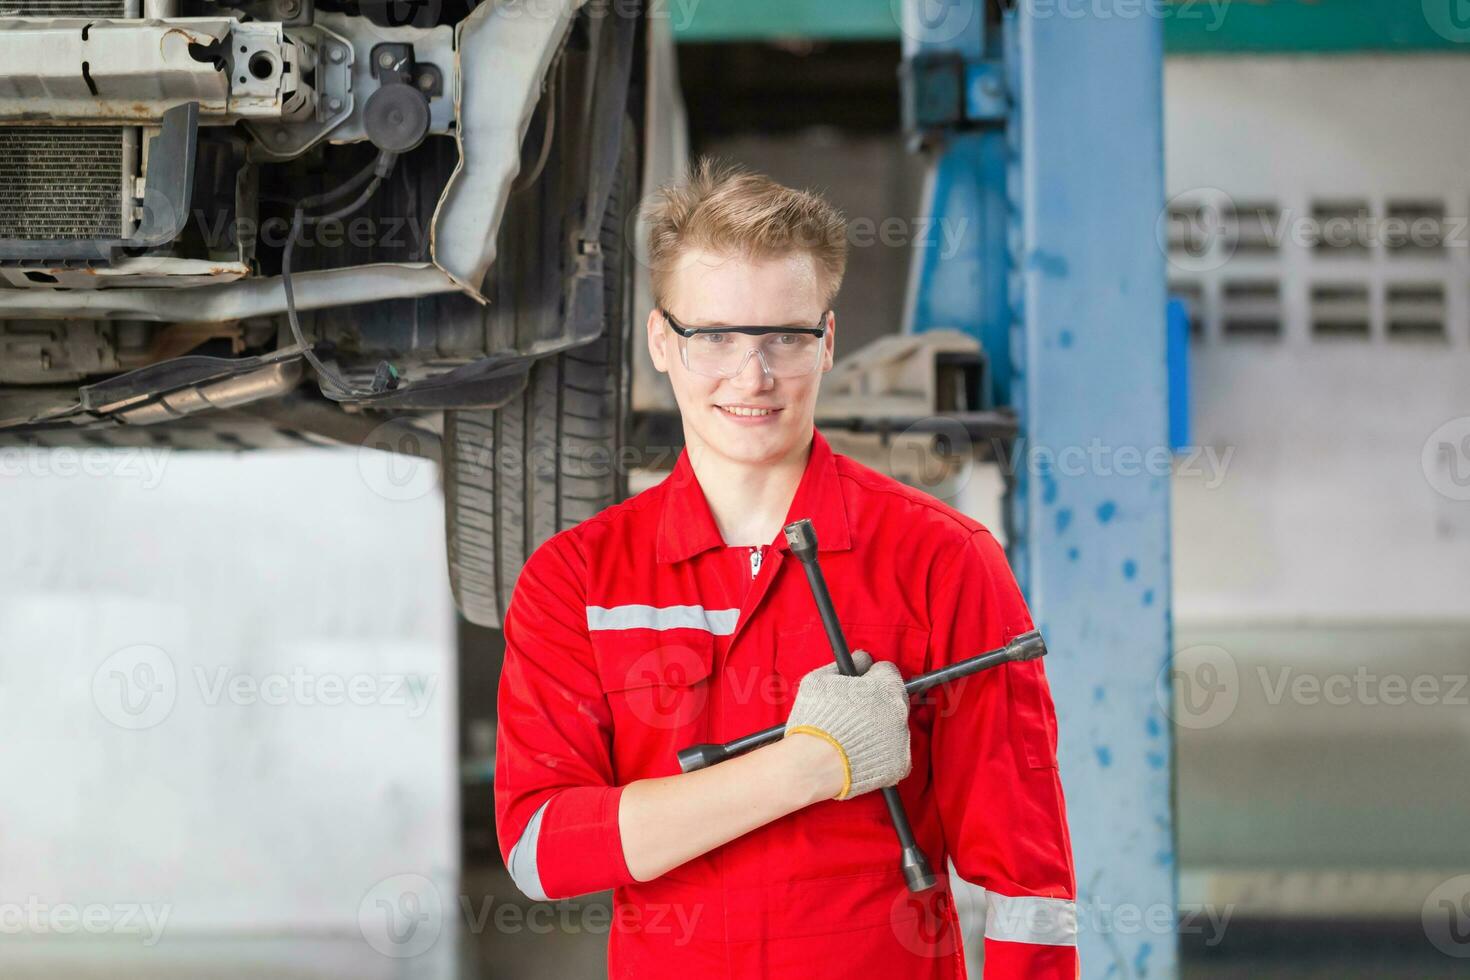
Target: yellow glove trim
x,y
846,766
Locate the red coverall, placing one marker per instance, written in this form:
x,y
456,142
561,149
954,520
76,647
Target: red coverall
x,y
639,632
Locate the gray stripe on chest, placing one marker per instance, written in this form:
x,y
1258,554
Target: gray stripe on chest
x,y
720,622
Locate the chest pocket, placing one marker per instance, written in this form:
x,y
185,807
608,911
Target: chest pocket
x,y
657,685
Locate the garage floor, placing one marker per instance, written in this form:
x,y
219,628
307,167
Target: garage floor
x,y
567,950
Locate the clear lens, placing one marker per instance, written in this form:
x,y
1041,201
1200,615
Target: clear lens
x,y
722,355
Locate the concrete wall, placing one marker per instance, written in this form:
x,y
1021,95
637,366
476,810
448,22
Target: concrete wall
x,y
1328,507
1322,529
227,685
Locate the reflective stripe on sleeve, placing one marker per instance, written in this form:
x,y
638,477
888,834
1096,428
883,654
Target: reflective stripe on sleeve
x,y
522,863
720,622
1030,919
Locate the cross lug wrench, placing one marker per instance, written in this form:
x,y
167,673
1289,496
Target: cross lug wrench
x,y
803,540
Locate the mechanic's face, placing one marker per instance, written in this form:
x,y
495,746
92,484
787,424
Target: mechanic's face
x,y
710,289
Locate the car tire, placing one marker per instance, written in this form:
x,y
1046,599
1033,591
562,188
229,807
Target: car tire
x,y
551,457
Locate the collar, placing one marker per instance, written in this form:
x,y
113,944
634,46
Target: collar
x,y
687,528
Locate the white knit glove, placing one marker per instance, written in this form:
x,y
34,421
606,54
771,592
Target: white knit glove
x,y
866,718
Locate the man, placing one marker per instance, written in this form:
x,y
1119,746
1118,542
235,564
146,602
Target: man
x,y
679,616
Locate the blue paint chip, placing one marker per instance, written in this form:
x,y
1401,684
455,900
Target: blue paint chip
x,y
1048,264
1065,338
1148,597
1104,756
1098,693
1153,727
1130,569
1048,488
1064,519
1106,510
1140,962
1072,554
1156,760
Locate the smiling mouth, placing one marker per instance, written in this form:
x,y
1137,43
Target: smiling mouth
x,y
747,412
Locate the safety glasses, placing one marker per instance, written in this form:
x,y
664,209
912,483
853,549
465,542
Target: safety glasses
x,y
722,352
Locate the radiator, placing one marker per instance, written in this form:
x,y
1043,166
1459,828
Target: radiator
x,y
62,181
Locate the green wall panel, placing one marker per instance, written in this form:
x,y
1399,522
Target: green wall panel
x,y
1190,26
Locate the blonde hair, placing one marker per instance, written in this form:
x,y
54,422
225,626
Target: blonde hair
x,y
727,209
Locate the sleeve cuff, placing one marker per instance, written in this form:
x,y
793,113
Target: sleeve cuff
x,y
580,848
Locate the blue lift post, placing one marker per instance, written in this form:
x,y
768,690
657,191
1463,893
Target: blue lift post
x,y
1077,347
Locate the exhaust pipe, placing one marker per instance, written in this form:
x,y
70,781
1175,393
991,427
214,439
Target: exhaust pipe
x,y
271,381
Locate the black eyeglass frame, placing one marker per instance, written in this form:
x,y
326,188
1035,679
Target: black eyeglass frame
x,y
818,331
750,331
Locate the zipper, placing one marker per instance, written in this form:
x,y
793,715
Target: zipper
x,y
756,554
